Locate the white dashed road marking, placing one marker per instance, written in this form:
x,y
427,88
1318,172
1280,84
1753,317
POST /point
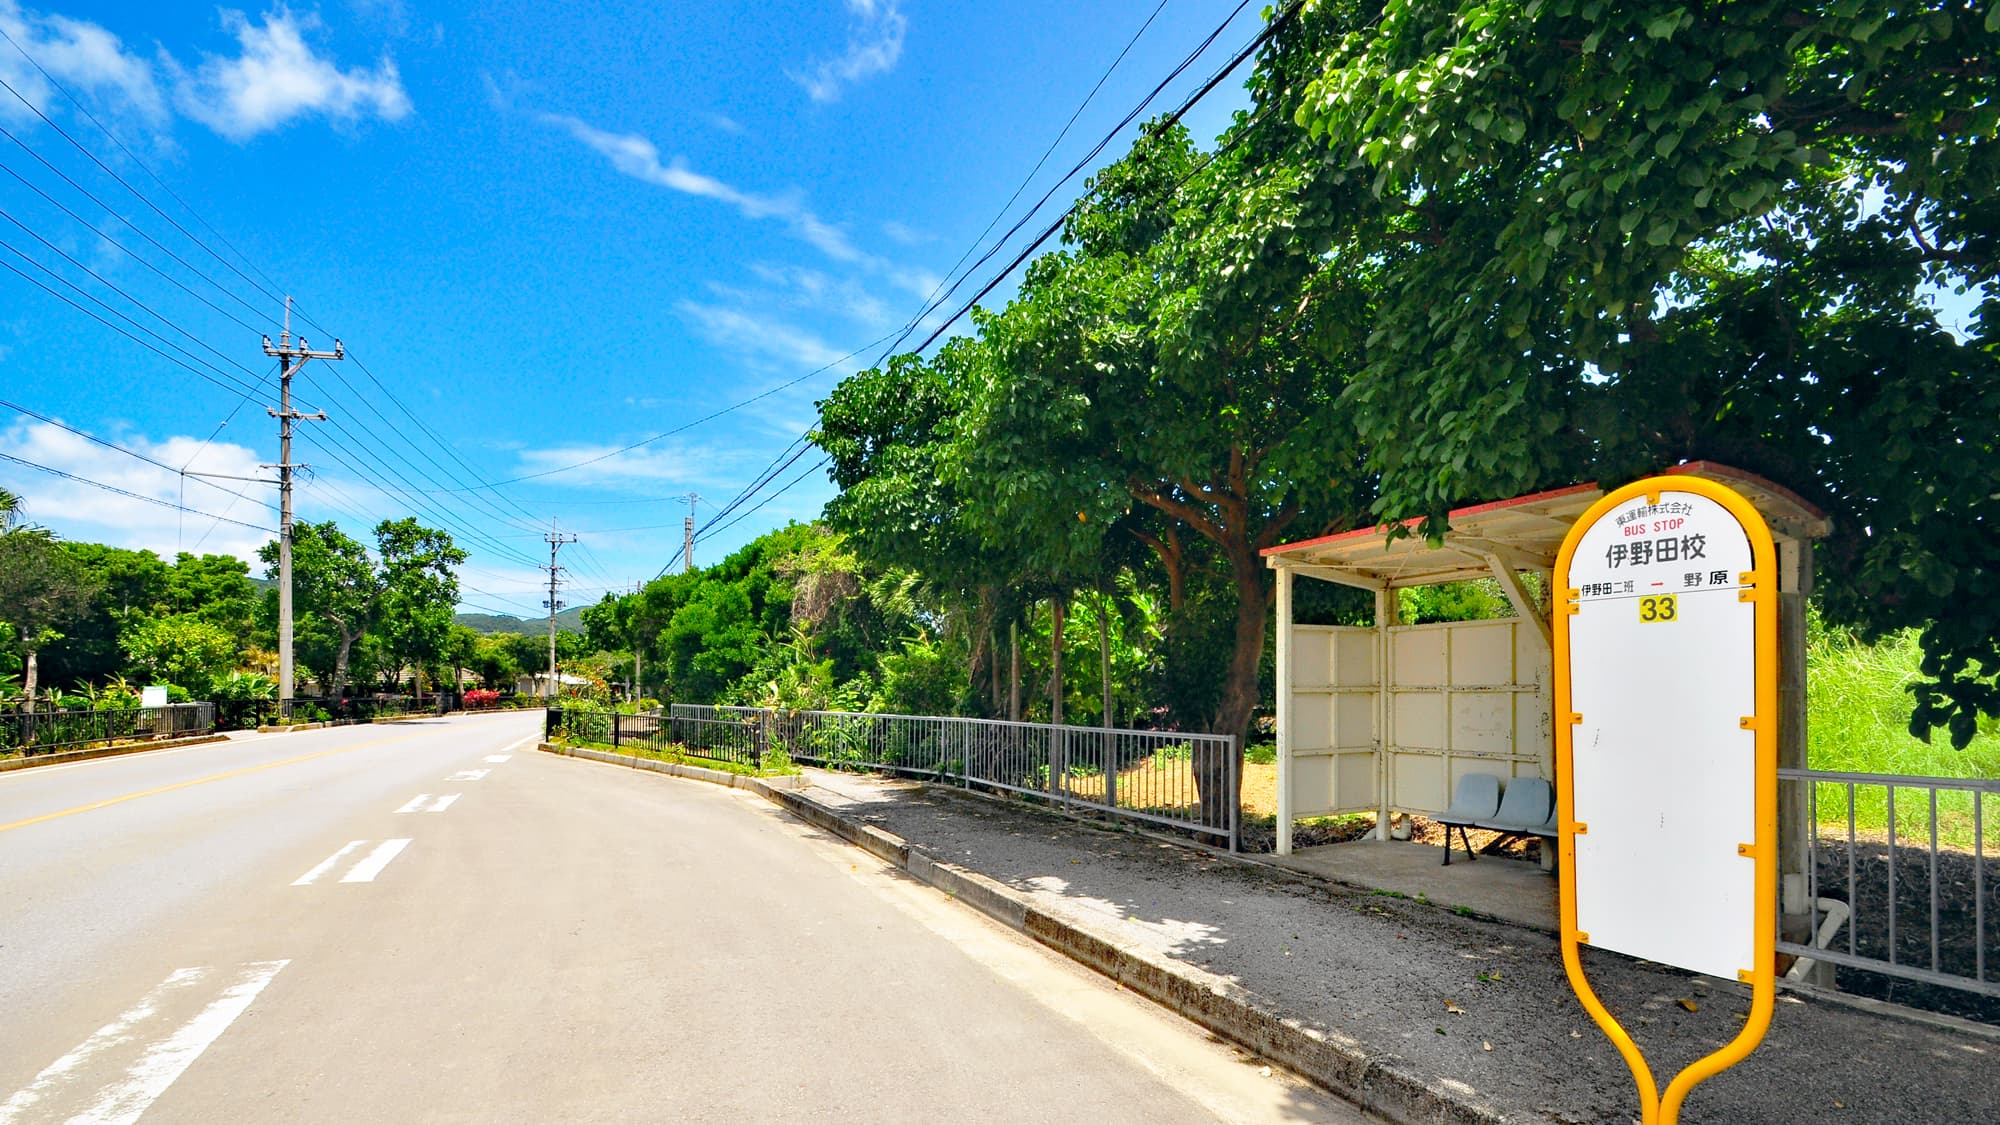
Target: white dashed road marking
x,y
424,802
499,757
364,871
468,775
367,869
161,1062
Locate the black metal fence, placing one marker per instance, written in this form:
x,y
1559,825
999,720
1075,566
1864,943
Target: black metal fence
x,y
740,739
246,714
46,732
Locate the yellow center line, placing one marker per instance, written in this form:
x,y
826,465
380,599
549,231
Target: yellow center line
x,y
107,803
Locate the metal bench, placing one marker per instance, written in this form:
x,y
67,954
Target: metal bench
x,y
1476,801
1528,808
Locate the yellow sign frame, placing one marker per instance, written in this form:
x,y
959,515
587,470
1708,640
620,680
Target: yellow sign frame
x,y
1761,580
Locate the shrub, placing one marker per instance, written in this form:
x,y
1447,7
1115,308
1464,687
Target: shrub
x,y
481,698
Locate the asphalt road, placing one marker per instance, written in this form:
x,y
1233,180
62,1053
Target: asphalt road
x,y
431,921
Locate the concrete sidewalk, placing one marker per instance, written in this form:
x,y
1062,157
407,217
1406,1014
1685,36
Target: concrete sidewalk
x,y
1456,1017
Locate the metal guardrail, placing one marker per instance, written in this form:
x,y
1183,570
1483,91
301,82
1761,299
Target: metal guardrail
x,y
737,735
1184,781
1913,862
46,732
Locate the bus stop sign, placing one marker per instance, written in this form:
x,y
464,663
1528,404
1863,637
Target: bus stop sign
x,y
1666,670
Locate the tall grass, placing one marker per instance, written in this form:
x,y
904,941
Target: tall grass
x,y
1858,722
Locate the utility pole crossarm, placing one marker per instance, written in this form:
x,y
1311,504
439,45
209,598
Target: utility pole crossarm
x,y
556,542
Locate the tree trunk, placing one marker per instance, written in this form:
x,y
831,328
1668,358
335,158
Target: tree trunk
x,y
1056,608
1014,671
339,686
30,670
1218,772
1104,656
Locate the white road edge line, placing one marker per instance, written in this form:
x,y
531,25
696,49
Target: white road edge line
x,y
368,868
110,1035
533,738
166,1060
326,864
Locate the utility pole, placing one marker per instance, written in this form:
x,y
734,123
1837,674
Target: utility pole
x,y
687,536
290,359
555,542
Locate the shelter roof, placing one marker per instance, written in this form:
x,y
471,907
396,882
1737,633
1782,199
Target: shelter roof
x,y
1523,533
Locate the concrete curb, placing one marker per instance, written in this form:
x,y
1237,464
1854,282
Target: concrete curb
x,y
1377,1082
759,785
106,752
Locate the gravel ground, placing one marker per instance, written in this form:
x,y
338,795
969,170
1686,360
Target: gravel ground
x,y
1470,1002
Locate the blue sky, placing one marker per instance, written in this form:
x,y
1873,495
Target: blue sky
x,y
545,230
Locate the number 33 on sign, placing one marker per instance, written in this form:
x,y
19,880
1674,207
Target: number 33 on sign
x,y
1658,608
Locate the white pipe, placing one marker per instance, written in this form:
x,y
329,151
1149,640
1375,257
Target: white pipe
x,y
1836,914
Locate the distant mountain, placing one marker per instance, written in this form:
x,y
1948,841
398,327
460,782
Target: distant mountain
x,y
569,621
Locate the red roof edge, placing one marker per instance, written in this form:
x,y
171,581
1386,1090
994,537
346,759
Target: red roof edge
x,y
1716,468
1455,513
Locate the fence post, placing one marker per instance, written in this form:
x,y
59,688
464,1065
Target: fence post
x,y
617,730
1235,789
762,740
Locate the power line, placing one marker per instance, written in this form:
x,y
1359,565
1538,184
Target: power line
x,y
53,471
134,158
1064,132
94,439
1264,36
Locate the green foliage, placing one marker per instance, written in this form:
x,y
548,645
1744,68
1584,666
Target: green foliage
x,y
419,584
42,591
1613,237
181,650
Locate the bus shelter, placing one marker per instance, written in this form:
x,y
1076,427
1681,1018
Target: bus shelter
x,y
1386,718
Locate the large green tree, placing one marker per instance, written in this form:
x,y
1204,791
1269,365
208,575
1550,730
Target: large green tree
x,y
183,650
419,591
336,597
1612,237
42,590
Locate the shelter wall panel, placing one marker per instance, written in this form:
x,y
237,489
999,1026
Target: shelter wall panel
x,y
1312,656
1483,722
1312,719
1419,783
1357,782
1354,657
1354,720
1312,784
1482,652
1419,720
1531,658
1418,659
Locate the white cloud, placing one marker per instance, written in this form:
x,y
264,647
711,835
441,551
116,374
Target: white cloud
x,y
639,158
874,43
83,57
755,335
683,465
80,511
278,78
725,123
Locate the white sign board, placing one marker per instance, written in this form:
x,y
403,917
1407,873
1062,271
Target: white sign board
x,y
153,696
1662,670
